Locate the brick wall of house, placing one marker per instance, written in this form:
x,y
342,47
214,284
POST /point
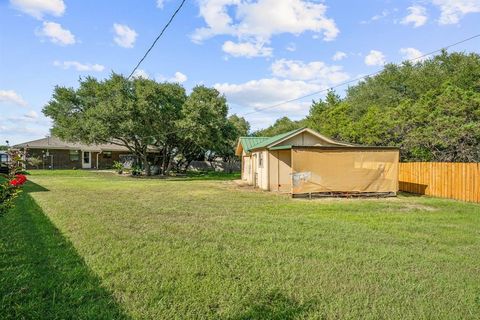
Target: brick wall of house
x,y
59,159
62,159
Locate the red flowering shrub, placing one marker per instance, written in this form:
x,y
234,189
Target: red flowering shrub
x,y
18,180
10,186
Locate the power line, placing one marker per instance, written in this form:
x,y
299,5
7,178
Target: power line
x,y
357,79
156,39
323,90
341,84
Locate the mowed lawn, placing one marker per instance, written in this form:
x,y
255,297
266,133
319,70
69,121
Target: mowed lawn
x,y
92,245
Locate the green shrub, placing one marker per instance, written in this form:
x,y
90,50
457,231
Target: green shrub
x,y
118,166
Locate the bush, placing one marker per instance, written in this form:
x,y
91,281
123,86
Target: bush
x,y
10,184
136,170
118,166
35,162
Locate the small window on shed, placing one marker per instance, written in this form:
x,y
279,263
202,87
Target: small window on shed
x,y
107,154
74,156
260,160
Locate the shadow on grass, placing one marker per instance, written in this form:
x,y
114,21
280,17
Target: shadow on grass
x,y
31,187
42,276
195,176
410,195
273,306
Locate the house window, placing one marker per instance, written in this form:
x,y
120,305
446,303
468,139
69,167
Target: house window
x,y
107,154
260,160
74,156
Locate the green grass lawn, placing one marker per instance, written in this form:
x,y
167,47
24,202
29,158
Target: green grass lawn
x,y
94,245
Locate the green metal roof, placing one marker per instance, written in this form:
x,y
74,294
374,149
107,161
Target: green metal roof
x,y
249,142
273,139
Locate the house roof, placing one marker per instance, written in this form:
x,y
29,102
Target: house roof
x,y
248,143
57,143
274,143
271,140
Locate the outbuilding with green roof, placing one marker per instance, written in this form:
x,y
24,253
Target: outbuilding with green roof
x,y
303,161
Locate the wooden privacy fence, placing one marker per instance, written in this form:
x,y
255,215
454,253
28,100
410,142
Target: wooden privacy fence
x,y
460,181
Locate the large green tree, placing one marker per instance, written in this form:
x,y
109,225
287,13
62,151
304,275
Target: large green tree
x,y
282,125
137,114
430,109
147,116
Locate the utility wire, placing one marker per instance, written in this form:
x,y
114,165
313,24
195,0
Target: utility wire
x,y
156,39
357,79
313,93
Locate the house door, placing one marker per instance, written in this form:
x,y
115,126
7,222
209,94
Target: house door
x,y
86,159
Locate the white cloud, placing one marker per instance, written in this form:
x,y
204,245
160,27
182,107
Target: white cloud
x,y
339,55
125,36
178,77
291,47
160,3
375,58
412,54
56,33
316,71
140,73
258,94
39,8
79,66
377,17
31,115
246,49
453,10
257,22
11,97
417,16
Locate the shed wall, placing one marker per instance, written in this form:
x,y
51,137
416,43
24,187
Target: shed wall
x,y
317,170
280,171
247,169
260,169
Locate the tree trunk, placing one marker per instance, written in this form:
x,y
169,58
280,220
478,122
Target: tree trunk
x,y
146,165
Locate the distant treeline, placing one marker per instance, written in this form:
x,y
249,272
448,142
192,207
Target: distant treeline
x,y
430,109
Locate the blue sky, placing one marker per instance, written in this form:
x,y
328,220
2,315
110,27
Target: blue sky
x,y
257,53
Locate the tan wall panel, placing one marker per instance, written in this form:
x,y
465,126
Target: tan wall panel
x,y
273,170
284,171
344,171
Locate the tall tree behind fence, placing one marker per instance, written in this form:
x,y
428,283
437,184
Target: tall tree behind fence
x,y
460,181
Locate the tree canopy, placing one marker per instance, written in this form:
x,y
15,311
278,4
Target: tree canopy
x,y
430,109
146,117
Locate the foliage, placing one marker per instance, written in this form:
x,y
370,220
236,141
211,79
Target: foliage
x,y
118,167
35,161
282,125
10,184
184,249
136,170
431,110
143,116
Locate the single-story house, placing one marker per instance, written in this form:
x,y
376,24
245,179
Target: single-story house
x,y
303,161
58,154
